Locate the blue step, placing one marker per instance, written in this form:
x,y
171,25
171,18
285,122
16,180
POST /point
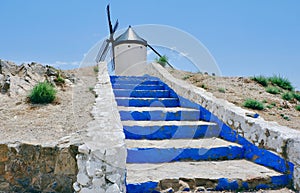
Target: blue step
x,y
184,131
146,102
161,151
138,87
141,93
139,82
160,115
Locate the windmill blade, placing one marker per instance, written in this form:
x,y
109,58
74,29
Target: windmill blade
x,y
157,53
116,26
109,20
103,51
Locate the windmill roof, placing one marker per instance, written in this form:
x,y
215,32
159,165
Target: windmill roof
x,y
129,36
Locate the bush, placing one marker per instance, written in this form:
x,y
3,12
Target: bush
x,y
297,107
272,90
96,69
42,93
222,90
261,80
253,104
296,96
287,96
281,82
163,60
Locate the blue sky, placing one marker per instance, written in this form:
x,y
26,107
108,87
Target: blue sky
x,y
245,37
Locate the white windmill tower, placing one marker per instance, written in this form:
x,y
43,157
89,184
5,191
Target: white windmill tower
x,y
129,51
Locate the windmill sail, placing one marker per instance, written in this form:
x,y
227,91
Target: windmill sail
x,y
103,51
105,47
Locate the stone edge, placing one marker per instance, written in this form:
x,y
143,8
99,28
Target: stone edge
x,y
268,135
102,156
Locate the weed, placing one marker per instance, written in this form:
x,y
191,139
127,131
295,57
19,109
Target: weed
x,y
285,117
273,104
203,86
96,69
296,96
269,106
272,90
186,77
264,101
262,80
297,107
91,89
253,104
221,90
282,82
163,60
287,96
42,93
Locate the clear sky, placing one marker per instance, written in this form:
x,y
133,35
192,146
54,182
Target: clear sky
x,y
249,37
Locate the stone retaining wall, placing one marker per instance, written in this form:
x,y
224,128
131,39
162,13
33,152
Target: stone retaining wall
x,y
267,135
102,156
37,168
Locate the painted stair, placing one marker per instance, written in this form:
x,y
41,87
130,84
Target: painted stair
x,y
176,145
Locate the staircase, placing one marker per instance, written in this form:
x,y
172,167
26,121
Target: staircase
x,y
176,145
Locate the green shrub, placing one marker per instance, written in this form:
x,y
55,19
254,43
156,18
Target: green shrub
x,y
221,90
42,93
272,90
163,60
96,68
281,82
296,96
297,107
186,77
287,96
59,79
253,104
261,80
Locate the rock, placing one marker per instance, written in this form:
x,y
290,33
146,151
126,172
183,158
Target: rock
x,y
113,189
65,163
83,179
115,178
76,187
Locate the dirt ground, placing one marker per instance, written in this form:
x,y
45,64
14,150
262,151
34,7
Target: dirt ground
x,y
237,89
22,121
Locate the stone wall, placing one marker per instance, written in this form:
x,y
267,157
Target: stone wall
x,y
102,156
267,135
37,168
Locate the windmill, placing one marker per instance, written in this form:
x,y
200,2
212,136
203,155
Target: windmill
x,y
128,49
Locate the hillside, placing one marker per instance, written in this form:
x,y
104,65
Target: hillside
x,y
238,89
68,114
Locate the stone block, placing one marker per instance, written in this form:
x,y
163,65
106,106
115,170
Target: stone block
x,y
3,153
65,163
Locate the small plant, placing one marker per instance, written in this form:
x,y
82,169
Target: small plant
x,y
163,60
282,82
59,79
285,117
186,77
203,86
221,90
272,90
253,104
264,101
96,69
296,96
297,107
42,93
262,80
273,104
287,96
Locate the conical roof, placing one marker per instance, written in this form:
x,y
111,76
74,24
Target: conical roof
x,y
129,36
